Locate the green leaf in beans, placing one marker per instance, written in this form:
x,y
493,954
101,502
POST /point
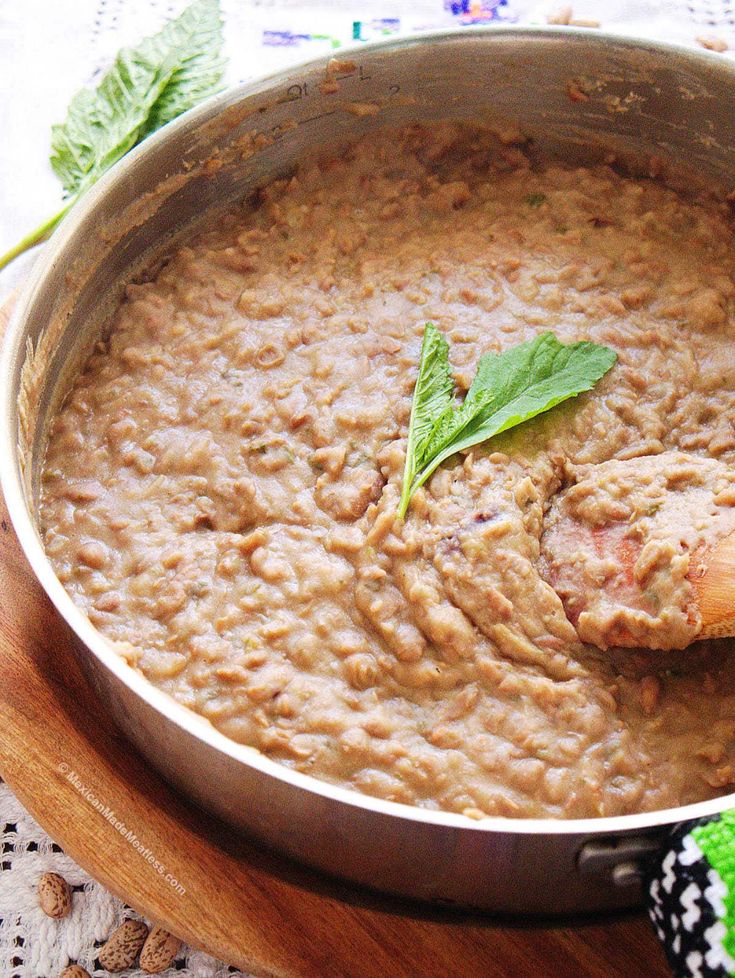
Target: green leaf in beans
x,y
509,388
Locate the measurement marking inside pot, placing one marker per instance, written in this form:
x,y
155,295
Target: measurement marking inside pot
x,y
322,115
299,90
294,93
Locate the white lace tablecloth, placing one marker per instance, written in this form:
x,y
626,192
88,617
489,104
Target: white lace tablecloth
x,y
48,49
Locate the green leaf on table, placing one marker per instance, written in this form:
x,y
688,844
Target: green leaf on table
x,y
146,87
196,40
102,125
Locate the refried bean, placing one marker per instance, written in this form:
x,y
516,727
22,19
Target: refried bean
x,y
221,483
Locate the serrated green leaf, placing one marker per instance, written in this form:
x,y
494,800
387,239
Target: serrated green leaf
x,y
510,388
432,394
195,41
453,423
103,125
146,86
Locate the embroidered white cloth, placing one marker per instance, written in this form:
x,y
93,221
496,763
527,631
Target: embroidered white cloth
x,y
33,945
50,48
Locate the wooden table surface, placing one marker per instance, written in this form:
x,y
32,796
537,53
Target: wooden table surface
x,y
251,908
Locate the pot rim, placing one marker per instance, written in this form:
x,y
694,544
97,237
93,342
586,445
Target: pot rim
x,y
98,645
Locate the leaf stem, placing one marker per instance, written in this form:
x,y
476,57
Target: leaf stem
x,y
405,498
41,233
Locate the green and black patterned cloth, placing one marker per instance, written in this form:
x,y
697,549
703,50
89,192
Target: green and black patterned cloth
x,y
690,889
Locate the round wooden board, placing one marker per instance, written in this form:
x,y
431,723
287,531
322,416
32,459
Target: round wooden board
x,y
253,909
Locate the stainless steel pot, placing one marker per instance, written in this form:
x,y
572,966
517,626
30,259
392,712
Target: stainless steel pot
x,y
573,92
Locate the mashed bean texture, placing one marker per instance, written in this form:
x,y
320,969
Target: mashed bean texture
x,y
624,544
220,488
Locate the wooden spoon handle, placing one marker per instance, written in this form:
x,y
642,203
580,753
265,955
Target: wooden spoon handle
x,y
715,590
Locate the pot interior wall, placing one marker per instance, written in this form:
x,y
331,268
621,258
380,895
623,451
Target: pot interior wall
x,y
579,95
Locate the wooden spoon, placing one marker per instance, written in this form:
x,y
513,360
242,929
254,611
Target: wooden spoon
x,y
714,584
711,574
